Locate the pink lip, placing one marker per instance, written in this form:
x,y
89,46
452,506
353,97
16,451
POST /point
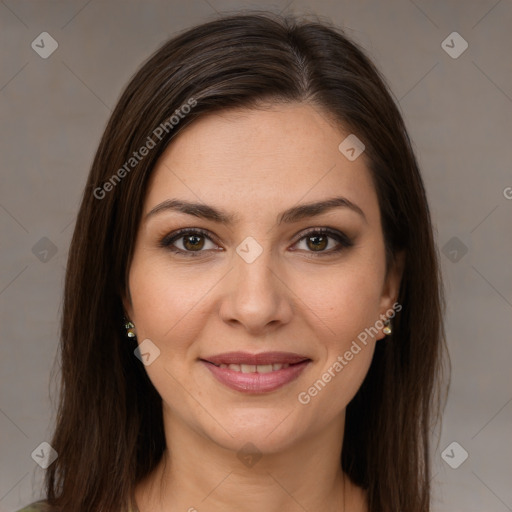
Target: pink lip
x,y
256,382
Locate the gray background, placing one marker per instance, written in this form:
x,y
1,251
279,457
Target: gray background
x,y
458,111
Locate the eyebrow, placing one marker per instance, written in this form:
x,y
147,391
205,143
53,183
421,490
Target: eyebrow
x,y
289,216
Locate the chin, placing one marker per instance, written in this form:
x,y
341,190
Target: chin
x,y
269,430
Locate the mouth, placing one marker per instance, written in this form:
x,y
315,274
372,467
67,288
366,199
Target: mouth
x,y
254,368
261,359
256,373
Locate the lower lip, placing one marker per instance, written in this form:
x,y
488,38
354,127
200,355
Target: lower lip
x,y
256,382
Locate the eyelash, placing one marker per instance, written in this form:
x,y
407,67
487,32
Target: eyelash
x,y
342,239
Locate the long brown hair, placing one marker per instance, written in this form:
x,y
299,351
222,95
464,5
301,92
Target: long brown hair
x,y
109,429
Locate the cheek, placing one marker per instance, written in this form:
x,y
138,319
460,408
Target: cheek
x,y
344,307
339,381
169,310
168,305
346,300
346,345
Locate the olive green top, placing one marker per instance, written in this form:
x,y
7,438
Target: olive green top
x,y
42,506
37,506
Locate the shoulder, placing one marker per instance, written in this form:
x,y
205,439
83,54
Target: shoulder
x,y
37,506
42,506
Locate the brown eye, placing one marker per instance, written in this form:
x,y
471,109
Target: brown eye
x,y
324,241
193,242
317,242
188,242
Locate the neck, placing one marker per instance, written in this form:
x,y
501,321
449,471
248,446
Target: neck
x,y
197,474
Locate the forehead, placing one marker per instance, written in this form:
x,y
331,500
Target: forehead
x,y
261,158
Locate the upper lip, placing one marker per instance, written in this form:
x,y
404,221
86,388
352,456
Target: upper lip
x,y
256,359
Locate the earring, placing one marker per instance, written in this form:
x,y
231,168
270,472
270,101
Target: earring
x,y
129,329
387,327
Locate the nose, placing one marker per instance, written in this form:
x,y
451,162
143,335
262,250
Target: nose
x,y
256,296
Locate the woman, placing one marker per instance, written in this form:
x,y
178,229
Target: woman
x,y
253,305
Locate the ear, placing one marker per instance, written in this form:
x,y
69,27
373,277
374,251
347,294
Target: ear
x,y
392,282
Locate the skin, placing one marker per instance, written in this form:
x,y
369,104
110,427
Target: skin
x,y
255,164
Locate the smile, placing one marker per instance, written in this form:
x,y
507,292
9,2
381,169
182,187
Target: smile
x,y
256,373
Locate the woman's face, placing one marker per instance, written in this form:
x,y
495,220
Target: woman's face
x,y
265,331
